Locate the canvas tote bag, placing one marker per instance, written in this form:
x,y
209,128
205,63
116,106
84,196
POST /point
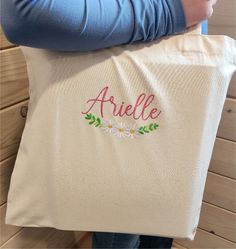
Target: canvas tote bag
x,y
120,139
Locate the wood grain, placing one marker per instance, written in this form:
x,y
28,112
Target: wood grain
x,y
14,81
220,191
227,127
204,239
43,237
175,245
85,241
232,87
12,126
4,43
223,160
219,221
6,168
7,231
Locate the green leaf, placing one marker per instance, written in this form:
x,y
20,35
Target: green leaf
x,y
151,127
145,129
140,130
88,116
98,122
93,120
155,126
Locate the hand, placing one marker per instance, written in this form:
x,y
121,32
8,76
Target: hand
x,y
197,10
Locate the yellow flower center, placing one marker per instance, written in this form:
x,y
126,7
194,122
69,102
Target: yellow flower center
x,y
121,130
109,126
132,131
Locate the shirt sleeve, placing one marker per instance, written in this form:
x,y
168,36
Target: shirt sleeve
x,y
83,25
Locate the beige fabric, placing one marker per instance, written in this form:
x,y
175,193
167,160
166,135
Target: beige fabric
x,y
73,175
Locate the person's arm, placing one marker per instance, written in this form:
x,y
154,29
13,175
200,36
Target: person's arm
x,y
83,25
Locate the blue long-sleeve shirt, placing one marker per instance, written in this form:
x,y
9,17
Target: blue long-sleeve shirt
x,y
83,25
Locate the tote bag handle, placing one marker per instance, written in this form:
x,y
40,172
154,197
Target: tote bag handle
x,y
196,29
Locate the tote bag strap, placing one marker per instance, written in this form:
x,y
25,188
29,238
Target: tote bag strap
x,y
196,29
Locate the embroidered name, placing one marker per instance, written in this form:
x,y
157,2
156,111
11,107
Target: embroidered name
x,y
141,109
137,111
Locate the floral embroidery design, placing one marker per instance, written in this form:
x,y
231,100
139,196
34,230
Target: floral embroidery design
x,y
120,130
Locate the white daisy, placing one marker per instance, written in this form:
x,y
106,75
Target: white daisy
x,y
108,126
120,130
132,131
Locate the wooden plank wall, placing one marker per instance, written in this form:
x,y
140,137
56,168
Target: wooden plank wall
x,y
217,226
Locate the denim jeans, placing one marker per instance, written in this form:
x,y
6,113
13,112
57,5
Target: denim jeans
x,y
125,240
